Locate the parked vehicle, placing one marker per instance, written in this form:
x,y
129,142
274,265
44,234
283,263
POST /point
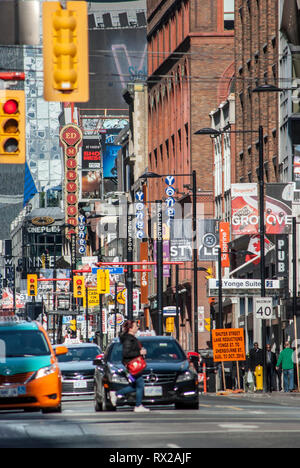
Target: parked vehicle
x,y
77,368
168,377
30,378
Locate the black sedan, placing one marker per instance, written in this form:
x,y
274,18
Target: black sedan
x,y
77,368
169,379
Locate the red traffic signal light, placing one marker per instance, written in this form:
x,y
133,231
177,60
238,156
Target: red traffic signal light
x,y
11,106
78,286
12,127
32,285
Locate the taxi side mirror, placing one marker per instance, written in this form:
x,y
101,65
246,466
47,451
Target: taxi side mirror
x,y
61,350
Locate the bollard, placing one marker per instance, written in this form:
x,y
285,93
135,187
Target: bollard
x,y
259,378
204,378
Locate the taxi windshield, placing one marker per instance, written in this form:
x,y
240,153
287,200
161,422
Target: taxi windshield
x,y
23,343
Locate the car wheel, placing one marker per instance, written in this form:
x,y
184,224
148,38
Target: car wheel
x,y
97,404
106,404
58,409
194,405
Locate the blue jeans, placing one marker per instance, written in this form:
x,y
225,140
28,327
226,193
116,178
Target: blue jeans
x,y
137,387
288,379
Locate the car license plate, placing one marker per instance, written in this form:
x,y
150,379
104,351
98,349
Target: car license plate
x,y
7,392
80,384
153,391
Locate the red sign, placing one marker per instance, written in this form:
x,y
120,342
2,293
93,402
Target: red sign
x,y
72,198
71,163
71,151
71,187
144,275
71,135
71,138
71,210
71,175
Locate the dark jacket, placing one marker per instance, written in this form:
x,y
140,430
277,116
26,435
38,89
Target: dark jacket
x,y
131,347
256,358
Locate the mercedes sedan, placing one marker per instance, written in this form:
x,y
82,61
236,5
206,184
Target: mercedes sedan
x,y
169,378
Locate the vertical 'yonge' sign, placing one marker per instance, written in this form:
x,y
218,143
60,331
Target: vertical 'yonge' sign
x,y
71,138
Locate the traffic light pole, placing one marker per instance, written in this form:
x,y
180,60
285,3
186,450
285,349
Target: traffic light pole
x,y
159,265
129,277
86,314
100,299
220,291
195,260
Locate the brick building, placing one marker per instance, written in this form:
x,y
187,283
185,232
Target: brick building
x,y
190,67
256,63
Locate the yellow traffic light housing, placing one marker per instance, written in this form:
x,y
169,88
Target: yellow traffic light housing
x,y
103,281
209,272
73,325
65,52
12,127
32,285
78,287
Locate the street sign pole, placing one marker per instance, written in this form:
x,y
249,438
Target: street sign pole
x,y
159,265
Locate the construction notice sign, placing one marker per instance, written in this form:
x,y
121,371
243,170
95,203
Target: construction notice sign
x,y
229,344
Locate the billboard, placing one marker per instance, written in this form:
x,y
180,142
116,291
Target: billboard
x,y
208,239
244,209
91,153
117,51
278,209
110,161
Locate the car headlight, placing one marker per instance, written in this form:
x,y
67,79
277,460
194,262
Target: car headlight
x,y
188,375
44,371
117,378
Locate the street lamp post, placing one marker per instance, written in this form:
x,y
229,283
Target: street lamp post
x,y
159,265
152,175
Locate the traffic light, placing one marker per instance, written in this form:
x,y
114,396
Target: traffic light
x,y
209,272
103,281
12,127
65,51
78,286
32,285
72,325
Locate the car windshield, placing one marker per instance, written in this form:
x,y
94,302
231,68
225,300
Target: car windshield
x,y
83,353
156,351
23,343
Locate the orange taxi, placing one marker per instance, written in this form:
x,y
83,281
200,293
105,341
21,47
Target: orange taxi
x,y
30,378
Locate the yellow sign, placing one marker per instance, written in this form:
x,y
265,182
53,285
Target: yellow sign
x,y
121,296
170,324
93,298
207,324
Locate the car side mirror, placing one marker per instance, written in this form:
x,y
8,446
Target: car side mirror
x,y
59,350
99,360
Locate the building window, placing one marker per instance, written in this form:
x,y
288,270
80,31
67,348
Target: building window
x,y
228,15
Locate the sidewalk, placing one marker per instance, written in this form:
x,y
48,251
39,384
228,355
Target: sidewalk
x,y
278,397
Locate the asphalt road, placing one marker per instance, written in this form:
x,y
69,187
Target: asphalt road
x,y
220,422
